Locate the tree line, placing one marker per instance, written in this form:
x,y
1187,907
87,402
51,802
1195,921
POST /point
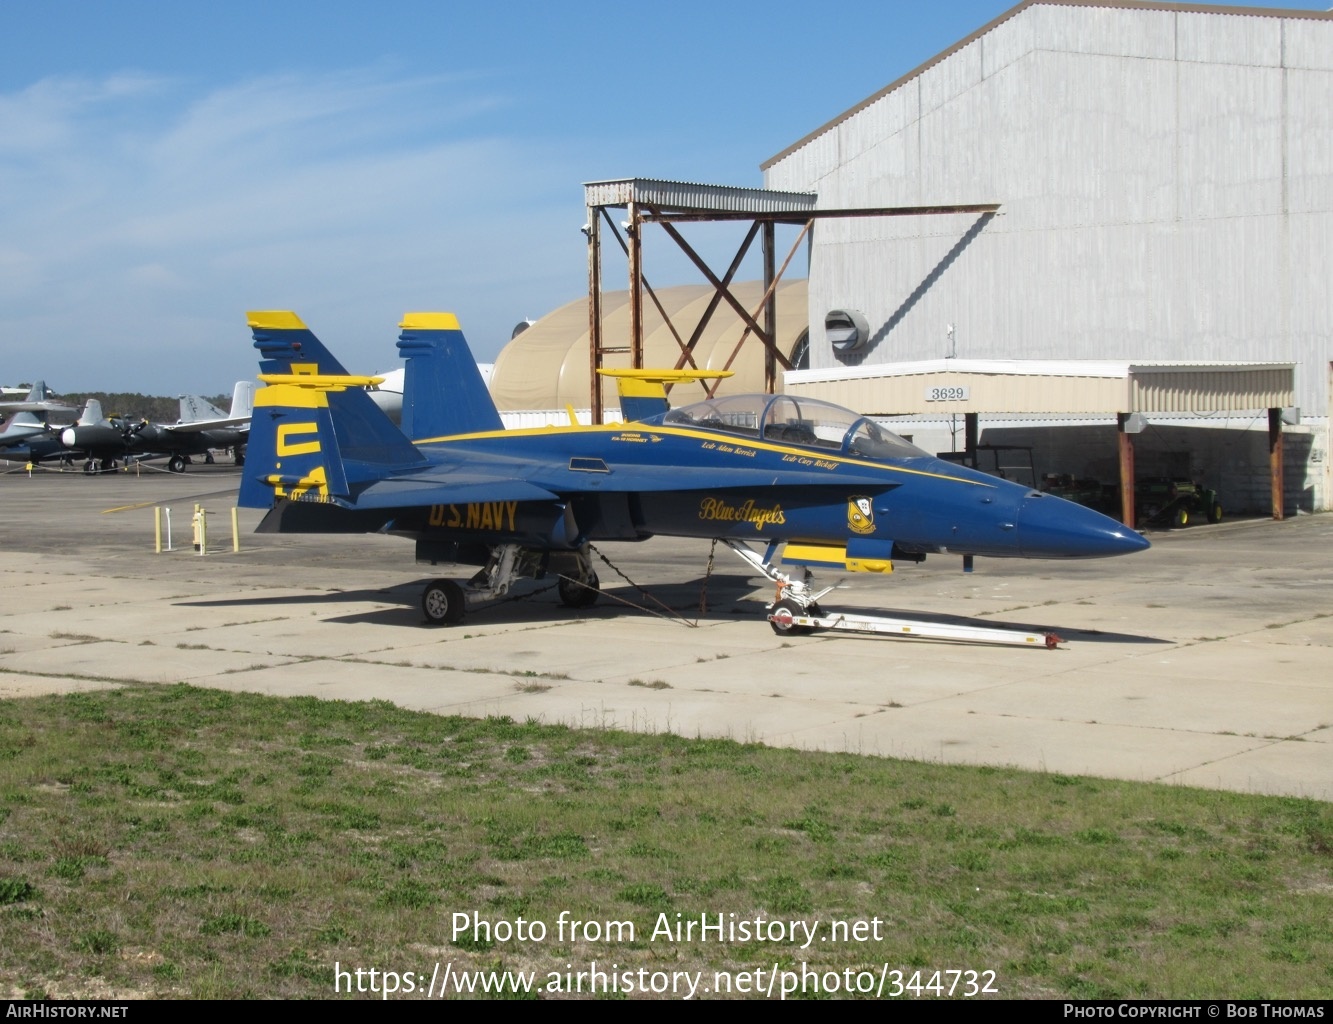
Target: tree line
x,y
133,406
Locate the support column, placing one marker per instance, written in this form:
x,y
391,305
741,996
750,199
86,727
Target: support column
x,y
970,422
1275,462
595,311
1126,446
635,255
770,310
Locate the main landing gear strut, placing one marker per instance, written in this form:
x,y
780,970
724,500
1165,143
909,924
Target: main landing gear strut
x,y
445,602
795,611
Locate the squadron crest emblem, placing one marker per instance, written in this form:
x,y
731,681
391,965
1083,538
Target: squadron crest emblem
x,y
860,517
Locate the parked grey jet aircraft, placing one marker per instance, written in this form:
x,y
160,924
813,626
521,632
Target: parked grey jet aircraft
x,y
201,429
28,435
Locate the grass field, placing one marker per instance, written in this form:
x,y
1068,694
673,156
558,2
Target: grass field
x,y
173,841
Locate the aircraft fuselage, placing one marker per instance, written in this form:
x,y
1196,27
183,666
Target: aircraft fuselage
x,y
634,481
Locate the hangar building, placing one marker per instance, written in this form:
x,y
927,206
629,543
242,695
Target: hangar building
x,y
1165,179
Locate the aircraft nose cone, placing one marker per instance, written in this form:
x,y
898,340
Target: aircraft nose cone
x,y
67,437
1050,527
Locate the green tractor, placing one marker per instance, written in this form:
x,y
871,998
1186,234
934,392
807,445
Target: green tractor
x,y
1170,502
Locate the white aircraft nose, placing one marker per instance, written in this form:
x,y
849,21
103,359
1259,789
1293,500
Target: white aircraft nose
x,y
67,437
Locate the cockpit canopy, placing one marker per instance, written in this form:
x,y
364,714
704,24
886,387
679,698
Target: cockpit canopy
x,y
785,419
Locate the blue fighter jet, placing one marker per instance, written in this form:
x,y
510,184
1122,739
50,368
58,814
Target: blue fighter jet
x,y
823,485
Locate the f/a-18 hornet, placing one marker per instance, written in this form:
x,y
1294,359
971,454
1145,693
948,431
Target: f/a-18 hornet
x,y
825,485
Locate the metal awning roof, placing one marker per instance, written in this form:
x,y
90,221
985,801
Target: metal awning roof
x,y
695,196
1050,386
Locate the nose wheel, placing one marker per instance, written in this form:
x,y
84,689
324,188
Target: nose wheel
x,y
782,617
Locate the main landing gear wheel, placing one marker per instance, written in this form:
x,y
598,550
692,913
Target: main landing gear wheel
x,y
442,602
781,618
177,464
579,593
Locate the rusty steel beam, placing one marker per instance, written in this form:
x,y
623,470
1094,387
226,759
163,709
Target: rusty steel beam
x,y
595,312
1275,452
800,217
657,303
725,292
640,214
1126,448
768,295
770,311
634,231
720,288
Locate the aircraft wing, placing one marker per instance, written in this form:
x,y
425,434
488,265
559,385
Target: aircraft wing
x,y
448,488
56,407
199,426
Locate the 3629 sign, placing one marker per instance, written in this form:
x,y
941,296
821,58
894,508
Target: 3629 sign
x,y
959,393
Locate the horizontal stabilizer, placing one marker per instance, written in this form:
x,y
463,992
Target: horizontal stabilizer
x,y
406,491
643,392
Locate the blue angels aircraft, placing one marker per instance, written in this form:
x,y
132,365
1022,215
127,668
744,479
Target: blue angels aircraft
x,y
828,486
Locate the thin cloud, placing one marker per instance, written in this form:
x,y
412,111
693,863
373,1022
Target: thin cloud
x,y
135,204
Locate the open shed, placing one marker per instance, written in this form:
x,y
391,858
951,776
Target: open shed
x,y
1131,392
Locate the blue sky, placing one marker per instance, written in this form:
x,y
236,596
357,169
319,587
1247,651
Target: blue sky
x,y
166,166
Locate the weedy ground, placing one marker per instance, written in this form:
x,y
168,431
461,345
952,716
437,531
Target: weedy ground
x,y
172,841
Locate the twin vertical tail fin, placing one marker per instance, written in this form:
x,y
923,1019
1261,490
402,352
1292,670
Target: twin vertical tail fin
x,y
194,409
242,399
443,391
286,345
315,435
92,414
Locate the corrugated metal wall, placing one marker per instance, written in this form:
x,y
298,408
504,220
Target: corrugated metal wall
x,y
1166,181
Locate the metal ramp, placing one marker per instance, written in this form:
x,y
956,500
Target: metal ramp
x,y
796,612
787,618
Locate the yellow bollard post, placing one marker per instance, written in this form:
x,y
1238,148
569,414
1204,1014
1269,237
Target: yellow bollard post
x,y
157,529
235,532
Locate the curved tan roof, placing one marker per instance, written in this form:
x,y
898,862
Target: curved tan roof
x,y
546,367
